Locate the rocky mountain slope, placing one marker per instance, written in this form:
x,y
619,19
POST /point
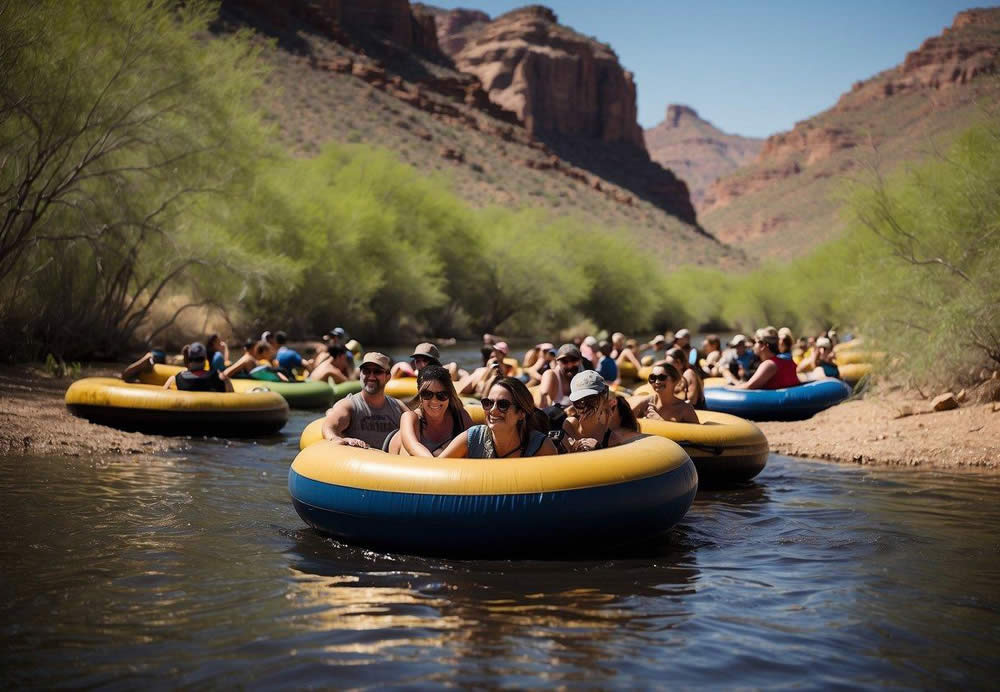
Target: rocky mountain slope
x,y
697,151
376,71
569,90
789,199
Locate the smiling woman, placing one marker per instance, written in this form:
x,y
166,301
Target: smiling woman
x,y
514,427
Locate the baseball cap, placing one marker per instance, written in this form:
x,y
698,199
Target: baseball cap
x,y
376,358
658,339
568,351
266,336
681,333
585,384
338,332
427,350
823,342
737,340
196,352
590,341
501,346
784,330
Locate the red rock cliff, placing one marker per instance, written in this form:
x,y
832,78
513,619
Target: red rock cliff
x,y
554,79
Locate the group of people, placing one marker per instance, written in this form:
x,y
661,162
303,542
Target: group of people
x,y
436,423
208,367
557,400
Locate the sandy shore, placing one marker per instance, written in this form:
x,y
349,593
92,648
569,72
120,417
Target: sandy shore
x,y
865,431
872,431
34,420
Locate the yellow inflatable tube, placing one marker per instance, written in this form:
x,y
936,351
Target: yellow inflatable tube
x,y
150,408
724,448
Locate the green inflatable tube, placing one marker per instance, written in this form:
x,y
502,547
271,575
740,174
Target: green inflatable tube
x,y
297,394
345,389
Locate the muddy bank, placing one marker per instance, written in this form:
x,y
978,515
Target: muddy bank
x,y
34,420
872,431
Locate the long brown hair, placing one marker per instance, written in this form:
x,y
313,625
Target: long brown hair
x,y
534,420
436,373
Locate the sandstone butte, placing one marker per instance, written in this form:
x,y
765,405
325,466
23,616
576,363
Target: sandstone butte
x,y
567,89
783,202
697,151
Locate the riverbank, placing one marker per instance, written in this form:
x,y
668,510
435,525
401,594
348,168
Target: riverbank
x,y
34,420
868,431
893,429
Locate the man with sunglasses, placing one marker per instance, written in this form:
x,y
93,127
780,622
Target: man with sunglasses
x,y
365,419
554,389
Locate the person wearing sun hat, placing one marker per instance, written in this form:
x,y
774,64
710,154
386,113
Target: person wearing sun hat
x,y
423,355
365,419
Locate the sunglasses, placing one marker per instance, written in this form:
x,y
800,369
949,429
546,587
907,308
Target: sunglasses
x,y
569,361
427,395
372,371
658,378
502,404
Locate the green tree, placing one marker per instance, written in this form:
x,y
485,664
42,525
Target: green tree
x,y
122,130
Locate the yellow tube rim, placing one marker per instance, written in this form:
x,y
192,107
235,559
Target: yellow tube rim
x,y
369,469
107,391
718,434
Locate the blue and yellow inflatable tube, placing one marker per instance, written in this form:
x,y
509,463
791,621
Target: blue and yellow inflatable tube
x,y
491,507
792,403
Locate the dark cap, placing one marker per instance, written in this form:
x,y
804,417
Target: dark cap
x,y
196,352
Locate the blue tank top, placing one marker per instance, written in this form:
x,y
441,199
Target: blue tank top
x,y
477,435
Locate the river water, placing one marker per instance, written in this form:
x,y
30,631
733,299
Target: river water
x,y
194,569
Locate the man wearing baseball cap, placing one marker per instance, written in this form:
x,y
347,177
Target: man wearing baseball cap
x,y
197,378
555,386
365,419
737,362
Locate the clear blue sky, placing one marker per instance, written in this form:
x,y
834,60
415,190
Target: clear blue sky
x,y
752,68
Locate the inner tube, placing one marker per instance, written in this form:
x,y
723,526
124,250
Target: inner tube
x,y
308,394
495,507
153,409
404,388
852,373
792,403
725,449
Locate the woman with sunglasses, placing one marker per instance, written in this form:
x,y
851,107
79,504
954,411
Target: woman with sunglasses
x,y
437,420
662,404
514,427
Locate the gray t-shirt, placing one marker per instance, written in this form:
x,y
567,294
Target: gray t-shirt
x,y
373,425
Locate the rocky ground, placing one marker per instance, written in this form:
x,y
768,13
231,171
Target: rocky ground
x,y
34,420
884,429
896,429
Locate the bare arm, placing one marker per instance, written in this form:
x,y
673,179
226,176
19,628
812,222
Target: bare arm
x,y
457,448
547,449
807,364
638,404
409,432
547,389
239,366
765,371
226,382
337,420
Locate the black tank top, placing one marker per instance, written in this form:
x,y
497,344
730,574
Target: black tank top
x,y
200,381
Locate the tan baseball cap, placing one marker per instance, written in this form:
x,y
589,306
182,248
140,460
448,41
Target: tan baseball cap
x,y
375,358
427,350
